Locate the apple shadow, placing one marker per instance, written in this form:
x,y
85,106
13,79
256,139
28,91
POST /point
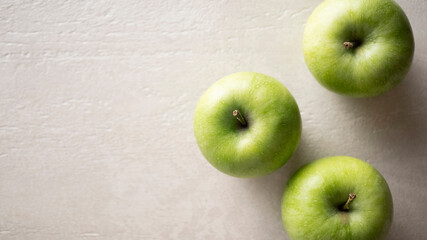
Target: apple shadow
x,y
268,189
400,113
398,231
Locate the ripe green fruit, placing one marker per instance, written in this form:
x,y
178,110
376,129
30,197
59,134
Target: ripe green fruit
x,y
337,198
247,124
359,48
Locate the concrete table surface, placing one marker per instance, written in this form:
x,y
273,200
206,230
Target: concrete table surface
x,y
97,102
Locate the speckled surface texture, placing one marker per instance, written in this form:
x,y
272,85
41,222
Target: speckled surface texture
x,y
97,102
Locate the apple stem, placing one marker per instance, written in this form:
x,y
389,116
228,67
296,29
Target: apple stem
x,y
351,197
350,45
239,117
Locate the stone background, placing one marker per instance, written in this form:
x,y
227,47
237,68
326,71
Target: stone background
x,y
97,102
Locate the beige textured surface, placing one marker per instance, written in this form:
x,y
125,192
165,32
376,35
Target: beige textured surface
x,y
97,99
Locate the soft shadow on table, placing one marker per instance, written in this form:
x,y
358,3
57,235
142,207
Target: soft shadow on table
x,y
399,115
269,189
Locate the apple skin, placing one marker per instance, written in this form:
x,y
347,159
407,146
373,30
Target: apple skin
x,y
271,136
314,195
380,61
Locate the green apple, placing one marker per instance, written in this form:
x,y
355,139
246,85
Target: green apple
x,y
359,48
337,198
247,124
